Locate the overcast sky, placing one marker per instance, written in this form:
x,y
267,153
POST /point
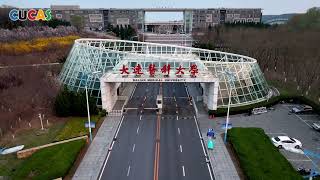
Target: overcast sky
x,y
268,6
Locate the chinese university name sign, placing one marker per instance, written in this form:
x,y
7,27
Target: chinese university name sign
x,y
165,70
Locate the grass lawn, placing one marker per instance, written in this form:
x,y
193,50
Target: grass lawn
x,y
49,163
75,127
259,158
29,138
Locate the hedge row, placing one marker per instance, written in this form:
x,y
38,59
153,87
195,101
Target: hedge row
x,y
50,163
272,101
259,158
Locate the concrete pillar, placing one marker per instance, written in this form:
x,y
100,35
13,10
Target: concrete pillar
x,y
212,96
109,95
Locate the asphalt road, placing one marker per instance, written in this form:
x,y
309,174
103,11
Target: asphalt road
x,y
180,154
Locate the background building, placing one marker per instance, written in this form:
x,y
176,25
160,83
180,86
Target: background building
x,y
192,18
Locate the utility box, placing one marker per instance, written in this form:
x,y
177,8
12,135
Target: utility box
x,y
159,104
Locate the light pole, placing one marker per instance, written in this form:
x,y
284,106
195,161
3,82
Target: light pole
x,y
231,78
88,109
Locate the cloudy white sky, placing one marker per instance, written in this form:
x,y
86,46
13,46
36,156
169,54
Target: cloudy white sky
x,y
268,6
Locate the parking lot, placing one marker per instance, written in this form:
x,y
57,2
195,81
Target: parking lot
x,y
279,122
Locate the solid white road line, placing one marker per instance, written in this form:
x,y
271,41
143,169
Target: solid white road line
x,y
128,172
112,145
183,172
203,149
105,163
104,166
211,177
179,131
180,148
303,120
140,117
133,148
300,118
119,127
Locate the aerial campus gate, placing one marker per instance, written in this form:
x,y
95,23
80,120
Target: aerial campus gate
x,y
111,81
97,64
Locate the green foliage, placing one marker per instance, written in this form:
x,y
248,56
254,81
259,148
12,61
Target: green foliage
x,y
77,21
49,163
75,128
69,103
272,101
55,22
259,158
247,25
124,32
309,20
102,113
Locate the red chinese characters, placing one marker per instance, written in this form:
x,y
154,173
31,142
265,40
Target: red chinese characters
x,y
193,70
166,69
137,70
124,70
152,70
180,71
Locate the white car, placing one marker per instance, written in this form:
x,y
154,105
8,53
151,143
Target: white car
x,y
286,142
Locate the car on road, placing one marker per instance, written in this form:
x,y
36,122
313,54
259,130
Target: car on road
x,y
316,126
301,109
286,142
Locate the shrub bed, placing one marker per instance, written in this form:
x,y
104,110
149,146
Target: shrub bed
x,y
272,101
49,163
259,158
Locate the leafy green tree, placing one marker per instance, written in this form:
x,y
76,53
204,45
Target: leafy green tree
x,y
63,103
68,103
309,20
77,21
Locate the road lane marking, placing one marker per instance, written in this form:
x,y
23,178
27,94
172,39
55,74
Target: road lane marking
x,y
140,117
109,151
134,146
111,145
157,151
138,129
128,172
300,118
119,127
183,172
179,131
180,148
177,118
303,120
211,177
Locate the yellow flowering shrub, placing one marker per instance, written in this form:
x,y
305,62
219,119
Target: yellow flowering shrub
x,y
36,45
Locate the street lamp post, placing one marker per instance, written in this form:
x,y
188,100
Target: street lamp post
x,y
88,109
227,120
231,78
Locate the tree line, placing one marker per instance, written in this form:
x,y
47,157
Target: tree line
x,y
288,55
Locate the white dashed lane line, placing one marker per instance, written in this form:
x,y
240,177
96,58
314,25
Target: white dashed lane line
x,y
133,148
128,172
179,131
180,148
183,171
138,129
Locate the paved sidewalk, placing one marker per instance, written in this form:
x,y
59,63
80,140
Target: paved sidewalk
x,y
222,166
93,160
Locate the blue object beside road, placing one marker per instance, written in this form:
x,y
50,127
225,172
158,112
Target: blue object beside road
x,y
92,124
211,144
